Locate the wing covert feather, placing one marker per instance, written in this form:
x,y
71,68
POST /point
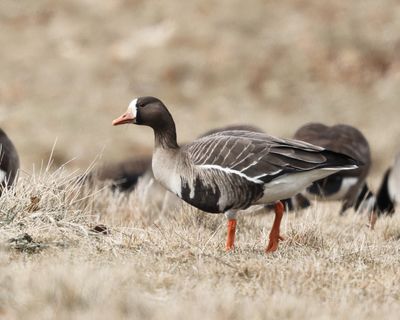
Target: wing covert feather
x,y
256,155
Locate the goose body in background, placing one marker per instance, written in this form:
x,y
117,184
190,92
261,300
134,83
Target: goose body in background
x,y
232,170
9,162
348,186
388,195
123,176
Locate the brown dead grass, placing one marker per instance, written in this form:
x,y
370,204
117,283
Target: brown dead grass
x,y
173,266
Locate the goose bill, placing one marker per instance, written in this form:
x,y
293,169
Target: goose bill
x,y
127,117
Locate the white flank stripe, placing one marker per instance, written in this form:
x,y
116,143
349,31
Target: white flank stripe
x,y
2,175
230,171
268,174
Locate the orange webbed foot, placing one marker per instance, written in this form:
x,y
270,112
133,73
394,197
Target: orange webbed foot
x,y
274,236
273,243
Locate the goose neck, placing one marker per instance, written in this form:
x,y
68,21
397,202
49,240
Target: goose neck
x,y
165,137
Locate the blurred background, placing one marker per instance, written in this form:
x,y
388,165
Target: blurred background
x,y
68,68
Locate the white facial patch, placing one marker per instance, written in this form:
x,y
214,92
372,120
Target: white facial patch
x,y
132,108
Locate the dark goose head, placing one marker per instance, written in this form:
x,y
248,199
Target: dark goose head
x,y
151,112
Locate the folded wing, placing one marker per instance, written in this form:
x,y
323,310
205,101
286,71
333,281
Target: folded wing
x,y
259,157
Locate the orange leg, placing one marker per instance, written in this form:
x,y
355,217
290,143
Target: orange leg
x,y
274,235
230,239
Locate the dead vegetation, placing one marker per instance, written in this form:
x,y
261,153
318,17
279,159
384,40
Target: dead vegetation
x,y
97,254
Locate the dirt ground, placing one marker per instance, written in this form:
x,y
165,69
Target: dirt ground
x,y
68,68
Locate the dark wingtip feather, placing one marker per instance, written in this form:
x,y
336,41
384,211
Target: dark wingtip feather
x,y
338,160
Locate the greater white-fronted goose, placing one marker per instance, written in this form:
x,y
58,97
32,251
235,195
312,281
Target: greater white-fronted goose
x,y
347,186
388,195
9,162
232,170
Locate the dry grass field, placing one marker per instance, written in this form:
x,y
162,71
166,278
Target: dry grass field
x,y
69,67
151,266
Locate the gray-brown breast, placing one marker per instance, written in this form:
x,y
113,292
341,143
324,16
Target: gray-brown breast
x,y
9,161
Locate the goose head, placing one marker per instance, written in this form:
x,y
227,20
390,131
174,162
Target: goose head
x,y
148,111
151,112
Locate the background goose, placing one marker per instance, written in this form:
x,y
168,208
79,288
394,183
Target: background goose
x,y
232,170
348,186
9,162
123,176
388,195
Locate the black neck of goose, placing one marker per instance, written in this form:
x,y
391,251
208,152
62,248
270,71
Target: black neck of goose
x,y
384,203
165,136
